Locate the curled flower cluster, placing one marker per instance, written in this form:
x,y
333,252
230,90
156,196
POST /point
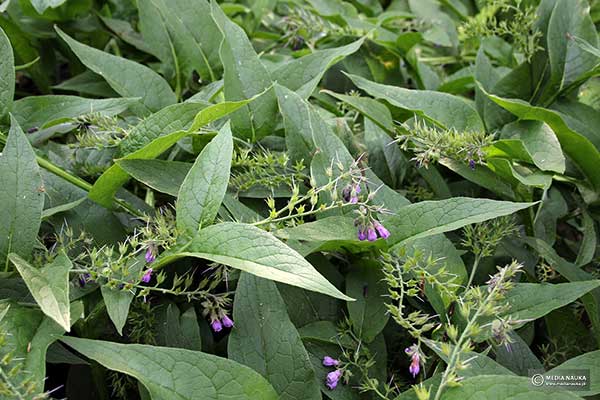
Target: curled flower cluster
x,y
415,357
332,379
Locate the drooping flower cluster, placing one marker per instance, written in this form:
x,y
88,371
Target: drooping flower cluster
x,y
217,324
370,229
333,377
415,359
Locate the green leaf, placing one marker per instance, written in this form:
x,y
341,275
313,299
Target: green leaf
x,y
300,120
46,111
117,305
7,75
265,340
540,142
87,83
253,250
517,356
112,179
302,75
41,5
177,374
530,301
567,60
589,361
245,76
21,197
370,108
576,146
49,286
176,117
161,175
28,333
368,313
204,187
192,33
503,387
126,77
174,329
408,222
589,242
443,109
385,158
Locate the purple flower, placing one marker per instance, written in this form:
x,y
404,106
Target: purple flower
x,y
362,234
415,362
384,233
353,200
147,275
216,325
84,278
472,164
346,193
330,362
150,255
332,379
371,235
227,322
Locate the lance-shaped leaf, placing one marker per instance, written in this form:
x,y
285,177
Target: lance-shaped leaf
x,y
575,145
265,340
410,222
49,286
253,250
112,179
170,373
20,195
161,175
443,109
126,77
302,75
204,187
245,76
503,387
41,5
7,75
590,361
183,29
45,111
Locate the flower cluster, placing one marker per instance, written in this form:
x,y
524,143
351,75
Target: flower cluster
x,y
332,379
415,359
217,324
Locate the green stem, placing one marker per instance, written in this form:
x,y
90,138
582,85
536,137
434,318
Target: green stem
x,y
473,270
75,180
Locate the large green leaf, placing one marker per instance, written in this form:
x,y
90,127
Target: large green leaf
x,y
204,187
245,76
161,175
368,313
409,222
7,75
265,340
589,361
568,61
176,117
45,111
444,109
178,374
253,250
111,180
530,301
49,286
126,77
193,34
20,195
28,334
174,329
303,74
576,146
503,387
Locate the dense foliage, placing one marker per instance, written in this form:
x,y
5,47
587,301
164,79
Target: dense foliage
x,y
298,199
